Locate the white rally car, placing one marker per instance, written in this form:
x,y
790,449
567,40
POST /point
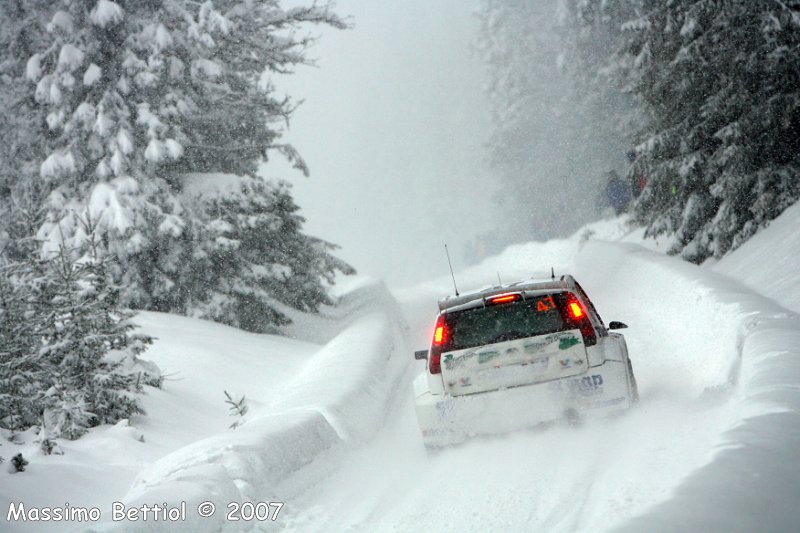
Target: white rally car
x,y
516,356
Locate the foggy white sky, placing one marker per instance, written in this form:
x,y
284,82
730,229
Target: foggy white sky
x,y
392,128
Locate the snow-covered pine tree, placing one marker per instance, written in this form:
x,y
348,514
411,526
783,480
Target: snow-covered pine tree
x,y
130,98
722,149
253,260
20,139
20,376
87,349
68,356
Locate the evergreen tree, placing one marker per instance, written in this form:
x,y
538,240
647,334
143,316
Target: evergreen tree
x,y
126,100
707,90
252,259
722,146
20,379
20,140
68,357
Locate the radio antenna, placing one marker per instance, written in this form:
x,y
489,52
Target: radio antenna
x,y
451,268
499,282
552,272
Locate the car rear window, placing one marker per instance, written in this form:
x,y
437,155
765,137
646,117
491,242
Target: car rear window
x,y
497,323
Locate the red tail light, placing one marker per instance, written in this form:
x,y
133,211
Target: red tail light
x,y
576,310
439,338
576,315
438,335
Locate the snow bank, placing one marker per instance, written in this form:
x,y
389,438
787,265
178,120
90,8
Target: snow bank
x,y
355,296
768,262
752,481
337,400
200,360
347,380
678,305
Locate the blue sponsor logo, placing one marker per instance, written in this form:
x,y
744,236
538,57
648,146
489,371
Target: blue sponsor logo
x,y
569,363
585,386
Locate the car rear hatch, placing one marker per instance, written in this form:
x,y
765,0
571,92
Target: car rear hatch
x,y
517,341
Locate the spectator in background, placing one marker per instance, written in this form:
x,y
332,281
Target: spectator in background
x,y
638,181
618,192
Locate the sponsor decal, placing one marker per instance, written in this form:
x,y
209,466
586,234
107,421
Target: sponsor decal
x,y
451,363
565,343
585,386
540,363
532,347
569,363
484,357
565,340
515,371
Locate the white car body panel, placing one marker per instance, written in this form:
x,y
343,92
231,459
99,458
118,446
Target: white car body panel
x,y
513,363
603,388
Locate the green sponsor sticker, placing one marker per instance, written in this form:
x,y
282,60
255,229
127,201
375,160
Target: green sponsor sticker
x,y
487,356
565,343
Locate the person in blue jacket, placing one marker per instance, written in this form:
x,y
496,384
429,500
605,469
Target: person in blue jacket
x,y
618,192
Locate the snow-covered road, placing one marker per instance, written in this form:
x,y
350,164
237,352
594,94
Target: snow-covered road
x,y
714,444
689,330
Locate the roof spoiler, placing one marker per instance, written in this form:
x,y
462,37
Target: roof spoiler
x,y
565,282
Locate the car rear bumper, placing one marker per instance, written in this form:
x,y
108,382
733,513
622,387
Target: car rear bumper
x,y
600,391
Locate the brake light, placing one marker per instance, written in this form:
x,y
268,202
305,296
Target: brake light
x,y
504,299
577,316
439,337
